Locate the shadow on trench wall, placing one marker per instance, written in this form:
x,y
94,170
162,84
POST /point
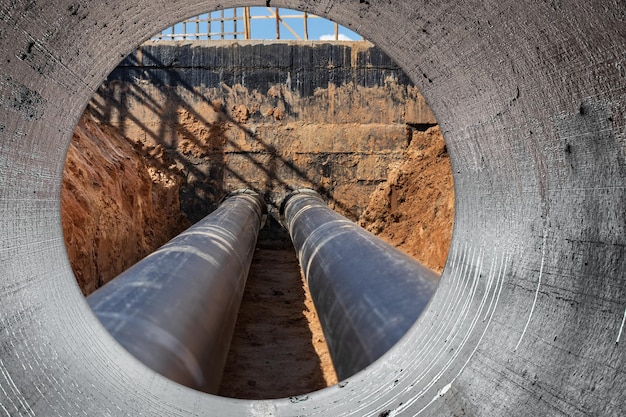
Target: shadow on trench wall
x,y
265,116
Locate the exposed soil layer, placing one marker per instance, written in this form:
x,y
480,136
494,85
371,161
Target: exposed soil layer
x,y
116,208
414,209
266,116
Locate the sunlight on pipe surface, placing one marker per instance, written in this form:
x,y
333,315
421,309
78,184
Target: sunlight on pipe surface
x,y
367,293
176,309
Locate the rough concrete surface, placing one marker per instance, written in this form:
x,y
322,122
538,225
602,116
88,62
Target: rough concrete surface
x,y
529,316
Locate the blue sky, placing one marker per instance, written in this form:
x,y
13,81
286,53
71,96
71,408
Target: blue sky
x,y
318,28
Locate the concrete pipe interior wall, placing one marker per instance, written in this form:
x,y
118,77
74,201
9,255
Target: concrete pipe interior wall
x,y
529,315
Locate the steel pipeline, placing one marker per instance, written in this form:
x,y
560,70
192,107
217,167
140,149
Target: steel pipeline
x,y
176,309
366,292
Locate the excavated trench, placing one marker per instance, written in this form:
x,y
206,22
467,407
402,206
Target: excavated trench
x,y
528,318
370,145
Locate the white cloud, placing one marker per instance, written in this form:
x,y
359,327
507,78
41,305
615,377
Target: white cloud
x,y
331,37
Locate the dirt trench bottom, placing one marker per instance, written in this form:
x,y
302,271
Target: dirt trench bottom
x,y
278,348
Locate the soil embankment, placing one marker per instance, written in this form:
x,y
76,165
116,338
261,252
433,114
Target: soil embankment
x,y
116,208
414,209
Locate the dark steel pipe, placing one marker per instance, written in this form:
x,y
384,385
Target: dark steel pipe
x,y
366,292
176,309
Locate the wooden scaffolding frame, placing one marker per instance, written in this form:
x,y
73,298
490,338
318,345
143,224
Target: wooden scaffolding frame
x,y
191,27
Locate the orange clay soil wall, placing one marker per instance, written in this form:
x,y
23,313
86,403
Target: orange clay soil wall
x,y
116,208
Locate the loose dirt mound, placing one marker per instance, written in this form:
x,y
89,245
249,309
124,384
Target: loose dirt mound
x,y
414,209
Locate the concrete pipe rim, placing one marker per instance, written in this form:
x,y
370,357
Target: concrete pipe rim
x,y
485,336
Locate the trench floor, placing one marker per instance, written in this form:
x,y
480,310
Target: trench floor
x,y
278,348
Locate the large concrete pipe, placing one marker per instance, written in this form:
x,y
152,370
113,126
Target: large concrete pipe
x,y
528,318
366,292
176,309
